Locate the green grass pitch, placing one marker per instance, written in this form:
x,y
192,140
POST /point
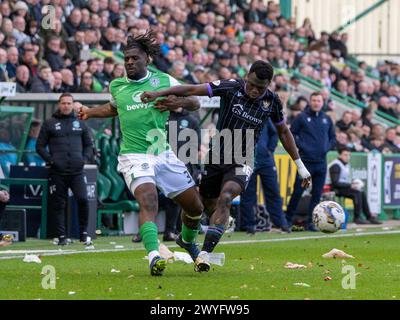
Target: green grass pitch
x,y
254,269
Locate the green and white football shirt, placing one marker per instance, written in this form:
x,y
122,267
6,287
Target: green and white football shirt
x,y
142,125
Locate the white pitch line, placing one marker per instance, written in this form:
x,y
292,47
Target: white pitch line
x,y
31,251
346,235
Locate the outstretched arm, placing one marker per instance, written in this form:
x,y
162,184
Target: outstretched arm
x,y
180,91
174,102
103,111
288,143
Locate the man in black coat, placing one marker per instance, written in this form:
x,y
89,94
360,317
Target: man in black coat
x,y
40,83
70,147
52,55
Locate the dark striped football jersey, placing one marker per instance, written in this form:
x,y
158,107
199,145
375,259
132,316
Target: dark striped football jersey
x,y
240,114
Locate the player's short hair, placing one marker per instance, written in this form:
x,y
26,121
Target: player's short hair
x,y
343,149
65,94
146,42
109,60
263,70
315,94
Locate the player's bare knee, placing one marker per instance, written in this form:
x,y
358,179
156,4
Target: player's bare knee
x,y
197,209
225,199
148,202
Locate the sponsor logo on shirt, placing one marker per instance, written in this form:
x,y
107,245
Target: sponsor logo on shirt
x,y
138,104
184,123
136,96
58,126
145,166
238,110
154,82
76,126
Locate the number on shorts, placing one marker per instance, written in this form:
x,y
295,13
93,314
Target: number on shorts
x,y
247,170
188,176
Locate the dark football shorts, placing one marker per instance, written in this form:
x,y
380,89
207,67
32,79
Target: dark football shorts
x,y
215,176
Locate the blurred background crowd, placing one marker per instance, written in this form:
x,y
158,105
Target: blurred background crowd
x,y
201,41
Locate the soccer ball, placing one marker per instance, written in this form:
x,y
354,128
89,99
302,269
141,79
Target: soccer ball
x,y
328,216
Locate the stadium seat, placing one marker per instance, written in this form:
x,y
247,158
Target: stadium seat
x,y
119,207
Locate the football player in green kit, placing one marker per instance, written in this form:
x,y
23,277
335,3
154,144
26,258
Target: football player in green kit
x,y
146,159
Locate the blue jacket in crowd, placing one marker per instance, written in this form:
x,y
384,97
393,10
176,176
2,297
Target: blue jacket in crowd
x,y
314,134
266,146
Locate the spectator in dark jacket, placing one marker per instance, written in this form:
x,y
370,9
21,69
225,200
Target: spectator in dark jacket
x,y
390,140
314,134
346,122
41,83
108,39
67,81
52,55
70,146
23,79
12,63
73,23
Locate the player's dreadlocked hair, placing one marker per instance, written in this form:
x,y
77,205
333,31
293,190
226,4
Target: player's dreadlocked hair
x,y
146,42
263,70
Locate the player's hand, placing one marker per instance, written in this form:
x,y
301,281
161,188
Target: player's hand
x,y
83,113
149,96
169,103
303,173
306,176
77,106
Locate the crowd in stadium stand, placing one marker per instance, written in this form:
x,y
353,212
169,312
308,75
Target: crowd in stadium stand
x,y
201,41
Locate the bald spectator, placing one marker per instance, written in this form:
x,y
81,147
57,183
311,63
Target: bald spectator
x,y
52,55
362,92
41,83
3,65
23,79
73,23
19,30
67,81
12,63
343,87
356,118
56,83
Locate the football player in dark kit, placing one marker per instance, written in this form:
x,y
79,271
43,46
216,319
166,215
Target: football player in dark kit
x,y
245,105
